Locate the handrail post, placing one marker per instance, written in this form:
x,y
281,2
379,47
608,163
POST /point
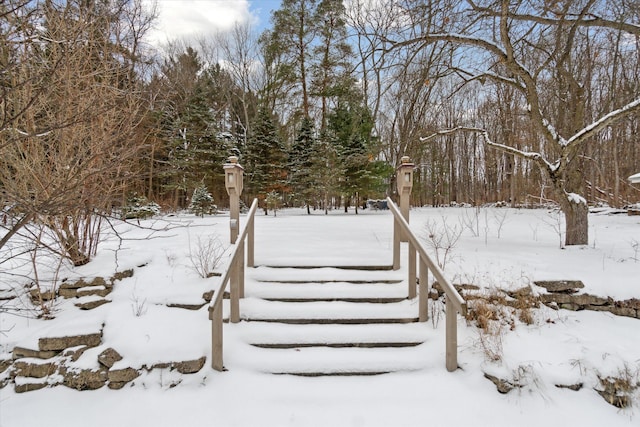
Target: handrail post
x,y
396,244
216,337
452,335
234,315
241,269
251,243
412,271
423,291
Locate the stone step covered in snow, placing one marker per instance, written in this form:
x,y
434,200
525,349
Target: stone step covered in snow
x,y
329,321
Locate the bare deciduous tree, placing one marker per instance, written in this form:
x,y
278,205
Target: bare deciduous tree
x,y
533,47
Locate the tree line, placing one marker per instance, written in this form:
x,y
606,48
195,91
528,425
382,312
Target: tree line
x,y
493,100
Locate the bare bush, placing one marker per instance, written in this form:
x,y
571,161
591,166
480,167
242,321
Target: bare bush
x,y
206,255
471,221
442,238
72,143
500,217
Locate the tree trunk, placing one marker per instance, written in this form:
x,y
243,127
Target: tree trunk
x,y
576,214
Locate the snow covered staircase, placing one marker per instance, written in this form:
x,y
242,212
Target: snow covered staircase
x,y
329,321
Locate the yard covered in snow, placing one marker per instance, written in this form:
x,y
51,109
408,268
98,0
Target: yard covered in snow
x,y
494,248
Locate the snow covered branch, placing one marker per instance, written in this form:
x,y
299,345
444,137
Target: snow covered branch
x,y
601,123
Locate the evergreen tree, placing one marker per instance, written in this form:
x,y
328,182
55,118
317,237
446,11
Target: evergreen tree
x,y
202,201
300,163
352,126
190,129
330,66
326,169
291,39
266,161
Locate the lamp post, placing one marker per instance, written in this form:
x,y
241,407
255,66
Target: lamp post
x,y
233,177
404,181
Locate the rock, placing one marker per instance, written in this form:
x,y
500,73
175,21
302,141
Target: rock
x,y
207,296
99,281
460,288
68,293
574,387
560,286
162,365
557,298
116,386
74,353
4,364
47,295
629,303
73,285
122,275
33,369
570,306
83,379
190,366
623,311
122,375
25,387
108,357
101,291
60,343
588,299
20,352
92,304
519,293
503,386
187,306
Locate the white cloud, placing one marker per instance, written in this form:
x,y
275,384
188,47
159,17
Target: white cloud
x,y
186,19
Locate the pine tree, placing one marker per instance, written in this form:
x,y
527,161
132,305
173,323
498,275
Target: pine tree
x,y
352,126
192,147
266,162
300,162
330,65
326,169
202,202
293,32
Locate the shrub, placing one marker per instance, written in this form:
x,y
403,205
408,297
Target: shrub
x,y
202,202
139,207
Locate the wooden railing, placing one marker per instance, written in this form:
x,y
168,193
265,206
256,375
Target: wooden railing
x,y
235,276
454,302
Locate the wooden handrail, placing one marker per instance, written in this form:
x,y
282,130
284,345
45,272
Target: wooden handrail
x,y
234,274
454,301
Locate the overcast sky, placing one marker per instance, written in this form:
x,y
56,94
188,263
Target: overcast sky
x,y
186,18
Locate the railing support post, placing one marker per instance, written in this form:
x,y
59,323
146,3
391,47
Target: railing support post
x,y
423,292
452,336
234,315
216,338
241,269
396,245
412,271
251,243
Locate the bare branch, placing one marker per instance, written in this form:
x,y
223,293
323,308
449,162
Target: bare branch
x,y
593,20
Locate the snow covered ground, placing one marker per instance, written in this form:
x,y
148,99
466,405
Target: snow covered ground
x,y
497,248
